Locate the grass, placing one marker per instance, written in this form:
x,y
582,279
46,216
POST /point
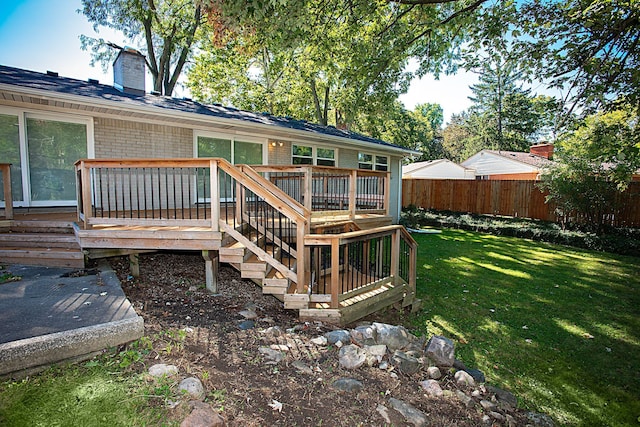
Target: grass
x,y
100,392
559,327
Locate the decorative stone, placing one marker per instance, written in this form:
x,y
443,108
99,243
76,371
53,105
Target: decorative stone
x,y
540,420
384,413
352,357
364,335
322,341
161,369
486,420
441,351
432,388
434,372
339,335
488,405
405,363
466,400
249,314
302,367
246,324
463,379
410,413
383,365
477,375
375,353
348,385
274,331
202,415
271,354
496,416
394,337
193,387
504,397
511,422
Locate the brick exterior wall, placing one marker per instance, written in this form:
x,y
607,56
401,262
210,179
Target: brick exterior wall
x,y
126,139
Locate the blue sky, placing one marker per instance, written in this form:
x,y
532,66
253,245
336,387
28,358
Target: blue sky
x,y
42,35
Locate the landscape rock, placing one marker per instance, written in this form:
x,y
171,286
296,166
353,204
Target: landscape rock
x,y
486,420
496,416
477,375
339,335
394,337
161,369
503,397
384,413
348,384
410,413
488,405
432,388
271,354
364,335
193,387
322,341
463,379
352,357
441,351
405,363
466,400
434,372
375,353
246,324
540,420
274,331
202,415
249,314
302,367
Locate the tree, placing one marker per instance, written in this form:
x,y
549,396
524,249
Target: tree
x,y
594,163
164,30
345,59
588,48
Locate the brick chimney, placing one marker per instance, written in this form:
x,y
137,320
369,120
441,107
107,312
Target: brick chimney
x,y
543,150
129,71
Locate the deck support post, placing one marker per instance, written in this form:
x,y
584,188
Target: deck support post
x,y
134,264
211,271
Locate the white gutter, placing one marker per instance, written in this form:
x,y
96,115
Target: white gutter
x,y
155,110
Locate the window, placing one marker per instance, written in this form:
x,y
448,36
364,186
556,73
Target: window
x,y
302,155
10,149
373,162
308,155
235,151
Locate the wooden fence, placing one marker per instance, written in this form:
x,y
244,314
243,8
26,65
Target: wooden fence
x,y
506,198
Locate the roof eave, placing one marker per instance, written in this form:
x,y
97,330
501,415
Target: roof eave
x,y
305,135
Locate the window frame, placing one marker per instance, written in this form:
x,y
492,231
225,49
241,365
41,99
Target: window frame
x,y
314,155
374,164
232,138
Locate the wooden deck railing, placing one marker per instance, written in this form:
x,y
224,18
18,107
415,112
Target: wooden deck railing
x,y
209,193
348,264
5,169
337,190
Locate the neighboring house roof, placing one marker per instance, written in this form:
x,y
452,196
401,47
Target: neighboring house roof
x,y
440,168
489,162
51,82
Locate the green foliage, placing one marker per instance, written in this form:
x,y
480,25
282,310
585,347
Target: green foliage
x,y
594,163
623,241
164,30
558,327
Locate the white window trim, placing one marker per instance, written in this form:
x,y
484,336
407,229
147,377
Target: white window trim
x,y
374,163
232,138
314,153
23,114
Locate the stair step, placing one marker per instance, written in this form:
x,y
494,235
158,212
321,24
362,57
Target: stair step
x,y
59,257
58,227
39,240
235,249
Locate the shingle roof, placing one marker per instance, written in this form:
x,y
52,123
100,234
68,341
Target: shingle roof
x,y
91,89
523,157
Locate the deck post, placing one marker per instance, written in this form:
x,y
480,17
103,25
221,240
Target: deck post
x,y
215,195
395,255
85,178
387,193
211,271
335,272
5,168
353,189
308,188
134,264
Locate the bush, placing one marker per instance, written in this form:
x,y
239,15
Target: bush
x,y
624,241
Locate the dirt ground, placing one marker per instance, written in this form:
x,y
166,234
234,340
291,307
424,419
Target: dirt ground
x,y
201,334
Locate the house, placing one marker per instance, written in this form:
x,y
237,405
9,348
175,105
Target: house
x,y
511,165
437,169
148,172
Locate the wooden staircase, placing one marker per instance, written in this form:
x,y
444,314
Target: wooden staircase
x,y
45,243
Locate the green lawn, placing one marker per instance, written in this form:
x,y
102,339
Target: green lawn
x,y
560,327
